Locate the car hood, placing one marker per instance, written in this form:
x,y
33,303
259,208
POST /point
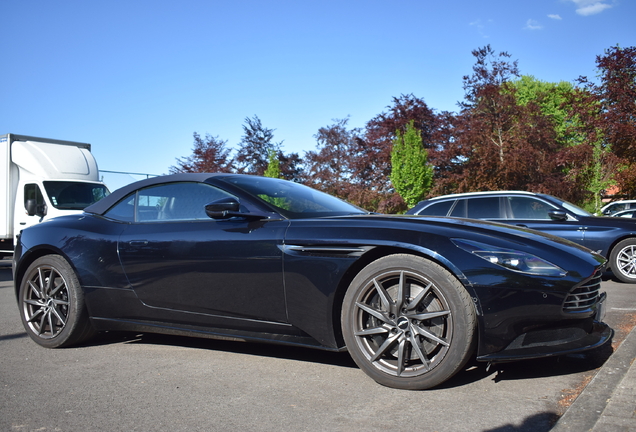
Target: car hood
x,y
512,233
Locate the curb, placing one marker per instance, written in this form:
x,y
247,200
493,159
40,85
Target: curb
x,y
589,407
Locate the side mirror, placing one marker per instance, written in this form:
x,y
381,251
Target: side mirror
x,y
226,208
33,209
223,209
558,215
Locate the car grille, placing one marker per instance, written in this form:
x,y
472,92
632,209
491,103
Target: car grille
x,y
583,297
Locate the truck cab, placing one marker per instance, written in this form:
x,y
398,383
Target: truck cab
x,y
44,178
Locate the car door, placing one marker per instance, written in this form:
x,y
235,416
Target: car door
x,y
532,212
177,258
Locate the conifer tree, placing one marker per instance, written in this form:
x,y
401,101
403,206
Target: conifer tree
x,y
411,174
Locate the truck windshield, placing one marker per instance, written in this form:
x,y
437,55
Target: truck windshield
x,y
68,195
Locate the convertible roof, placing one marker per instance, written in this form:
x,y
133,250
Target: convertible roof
x,y
101,206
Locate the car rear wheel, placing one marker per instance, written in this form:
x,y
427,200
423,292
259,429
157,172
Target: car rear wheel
x,y
52,304
623,260
408,322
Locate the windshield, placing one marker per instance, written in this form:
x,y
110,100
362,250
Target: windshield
x,y
69,195
294,200
575,209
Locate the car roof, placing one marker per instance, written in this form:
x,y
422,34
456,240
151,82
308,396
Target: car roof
x,y
101,206
485,193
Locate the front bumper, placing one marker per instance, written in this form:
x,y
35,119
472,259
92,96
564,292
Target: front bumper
x,y
552,342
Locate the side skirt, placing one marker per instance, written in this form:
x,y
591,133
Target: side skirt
x,y
105,324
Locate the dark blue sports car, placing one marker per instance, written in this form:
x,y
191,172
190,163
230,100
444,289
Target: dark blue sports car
x,y
260,259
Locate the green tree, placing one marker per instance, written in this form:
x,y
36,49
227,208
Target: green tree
x,y
590,163
551,98
273,167
273,171
411,174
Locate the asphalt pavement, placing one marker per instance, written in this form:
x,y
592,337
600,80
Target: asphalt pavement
x,y
125,382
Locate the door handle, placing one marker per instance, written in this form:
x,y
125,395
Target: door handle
x,y
522,225
138,242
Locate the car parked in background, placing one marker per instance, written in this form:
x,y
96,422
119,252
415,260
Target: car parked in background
x,y
614,238
616,206
626,214
267,260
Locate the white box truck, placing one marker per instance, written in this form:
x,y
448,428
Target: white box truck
x,y
43,178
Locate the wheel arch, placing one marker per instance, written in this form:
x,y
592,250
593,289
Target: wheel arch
x,y
616,241
380,252
613,256
28,258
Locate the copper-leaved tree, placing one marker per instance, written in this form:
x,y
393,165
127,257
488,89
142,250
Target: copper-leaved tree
x,y
372,165
209,154
495,143
606,122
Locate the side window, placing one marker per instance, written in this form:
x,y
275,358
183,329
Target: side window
x,y
169,202
483,208
437,209
32,191
460,209
529,208
123,211
618,207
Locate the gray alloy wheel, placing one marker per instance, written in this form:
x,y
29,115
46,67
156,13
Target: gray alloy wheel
x,y
52,304
623,260
408,323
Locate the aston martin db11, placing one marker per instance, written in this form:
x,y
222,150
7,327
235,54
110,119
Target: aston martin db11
x,y
411,298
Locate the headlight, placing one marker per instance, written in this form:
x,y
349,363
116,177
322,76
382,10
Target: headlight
x,y
522,262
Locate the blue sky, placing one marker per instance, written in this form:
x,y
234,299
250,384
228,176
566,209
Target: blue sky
x,y
136,78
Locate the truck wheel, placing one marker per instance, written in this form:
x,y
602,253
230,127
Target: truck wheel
x,y
408,322
623,260
52,304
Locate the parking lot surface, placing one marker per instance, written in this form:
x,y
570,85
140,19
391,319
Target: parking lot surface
x,y
144,382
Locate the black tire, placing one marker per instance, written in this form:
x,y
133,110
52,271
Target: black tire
x,y
52,304
623,260
408,323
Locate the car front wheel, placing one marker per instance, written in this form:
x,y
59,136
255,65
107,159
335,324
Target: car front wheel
x,y
623,260
408,322
52,304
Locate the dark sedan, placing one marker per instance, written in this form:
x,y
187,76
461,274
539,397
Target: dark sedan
x,y
260,259
614,238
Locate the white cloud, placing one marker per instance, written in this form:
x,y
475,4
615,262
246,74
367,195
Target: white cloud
x,y
590,7
533,25
481,27
554,16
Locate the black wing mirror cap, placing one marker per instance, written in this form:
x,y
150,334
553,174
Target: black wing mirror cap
x,y
558,215
226,208
221,209
33,209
